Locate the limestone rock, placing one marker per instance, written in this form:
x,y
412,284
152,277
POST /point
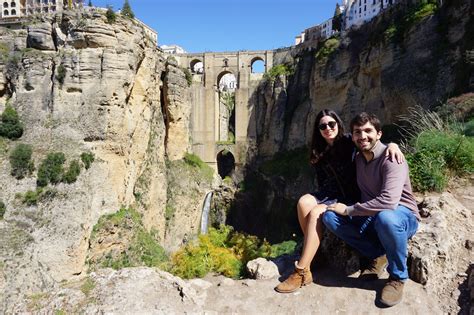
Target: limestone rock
x,y
261,268
435,250
40,36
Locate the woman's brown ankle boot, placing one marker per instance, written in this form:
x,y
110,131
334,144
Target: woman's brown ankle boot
x,y
299,278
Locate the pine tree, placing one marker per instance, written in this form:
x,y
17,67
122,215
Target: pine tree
x,y
337,19
90,4
127,10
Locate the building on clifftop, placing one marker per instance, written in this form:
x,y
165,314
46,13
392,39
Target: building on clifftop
x,y
14,9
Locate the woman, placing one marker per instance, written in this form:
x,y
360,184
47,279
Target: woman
x,y
332,155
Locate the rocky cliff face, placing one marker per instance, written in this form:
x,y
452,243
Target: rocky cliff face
x,y
386,66
80,84
383,67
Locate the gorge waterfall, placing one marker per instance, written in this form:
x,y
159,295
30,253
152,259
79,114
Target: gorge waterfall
x,y
205,213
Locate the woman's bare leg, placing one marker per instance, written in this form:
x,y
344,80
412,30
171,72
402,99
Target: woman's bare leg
x,y
313,235
305,204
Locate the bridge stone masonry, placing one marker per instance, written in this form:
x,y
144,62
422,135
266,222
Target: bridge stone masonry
x,y
207,70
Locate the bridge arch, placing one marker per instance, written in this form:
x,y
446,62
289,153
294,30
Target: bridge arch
x,y
196,66
257,65
225,163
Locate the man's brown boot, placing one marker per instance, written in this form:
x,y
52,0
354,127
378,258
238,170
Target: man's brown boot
x,y
374,269
392,292
296,280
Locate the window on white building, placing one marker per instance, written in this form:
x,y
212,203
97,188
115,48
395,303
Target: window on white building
x,y
13,12
5,4
5,12
13,4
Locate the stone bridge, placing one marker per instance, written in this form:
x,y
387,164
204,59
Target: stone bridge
x,y
208,69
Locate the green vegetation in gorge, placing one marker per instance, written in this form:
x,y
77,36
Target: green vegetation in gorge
x,y
32,197
396,31
87,158
288,164
88,286
143,248
199,165
437,150
327,48
3,209
70,176
281,69
223,251
188,76
20,161
51,169
10,125
61,74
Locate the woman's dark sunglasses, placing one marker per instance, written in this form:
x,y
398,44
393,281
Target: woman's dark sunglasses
x,y
331,125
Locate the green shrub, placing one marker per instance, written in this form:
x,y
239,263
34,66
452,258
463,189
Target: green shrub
x,y
32,197
221,250
70,176
437,150
10,125
287,247
281,69
87,158
51,169
469,128
188,75
288,164
143,249
327,48
427,172
110,15
3,209
195,162
61,74
20,161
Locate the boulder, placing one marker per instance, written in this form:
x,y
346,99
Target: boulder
x,y
261,269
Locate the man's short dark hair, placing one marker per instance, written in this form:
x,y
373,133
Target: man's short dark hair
x,y
364,118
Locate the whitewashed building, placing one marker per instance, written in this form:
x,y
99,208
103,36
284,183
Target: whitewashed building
x,y
18,8
172,49
359,12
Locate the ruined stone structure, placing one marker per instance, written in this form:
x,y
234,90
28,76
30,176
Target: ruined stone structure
x,y
208,69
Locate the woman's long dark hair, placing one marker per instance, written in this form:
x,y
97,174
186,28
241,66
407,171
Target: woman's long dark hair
x,y
319,146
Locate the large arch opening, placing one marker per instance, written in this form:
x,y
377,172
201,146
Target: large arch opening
x,y
225,163
227,83
257,65
197,66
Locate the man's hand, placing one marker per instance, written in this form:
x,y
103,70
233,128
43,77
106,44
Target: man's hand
x,y
394,152
339,208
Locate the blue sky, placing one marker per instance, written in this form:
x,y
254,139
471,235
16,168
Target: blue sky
x,y
216,25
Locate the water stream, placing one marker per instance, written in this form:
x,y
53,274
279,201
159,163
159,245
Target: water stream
x,y
205,213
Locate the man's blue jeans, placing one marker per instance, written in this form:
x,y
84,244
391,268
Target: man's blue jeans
x,y
385,233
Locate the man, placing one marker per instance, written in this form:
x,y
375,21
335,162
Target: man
x,y
387,215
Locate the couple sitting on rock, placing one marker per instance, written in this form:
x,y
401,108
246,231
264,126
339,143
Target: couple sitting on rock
x,y
364,198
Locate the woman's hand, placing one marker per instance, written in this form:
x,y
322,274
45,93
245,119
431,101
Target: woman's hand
x,y
394,152
339,208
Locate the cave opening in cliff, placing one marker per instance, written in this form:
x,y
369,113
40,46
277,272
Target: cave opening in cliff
x,y
227,85
225,163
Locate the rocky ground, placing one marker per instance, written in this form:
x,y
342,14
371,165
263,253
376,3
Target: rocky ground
x,y
448,280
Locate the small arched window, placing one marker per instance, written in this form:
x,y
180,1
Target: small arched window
x,y
5,13
13,4
5,5
13,12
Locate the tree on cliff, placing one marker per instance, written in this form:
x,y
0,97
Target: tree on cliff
x,y
337,19
127,10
